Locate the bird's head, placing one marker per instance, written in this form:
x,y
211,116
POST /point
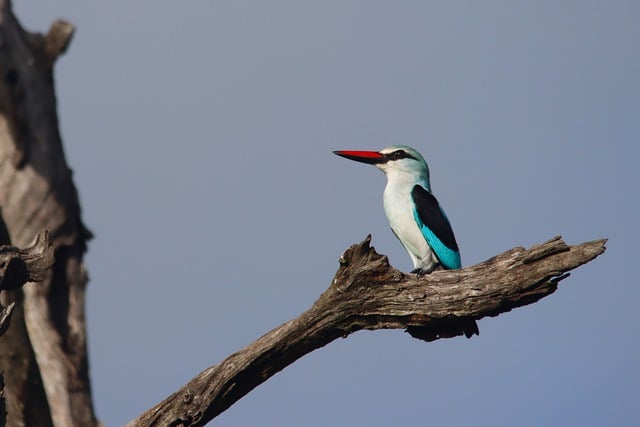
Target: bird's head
x,y
395,160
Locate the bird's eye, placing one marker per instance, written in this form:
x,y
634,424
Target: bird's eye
x,y
400,154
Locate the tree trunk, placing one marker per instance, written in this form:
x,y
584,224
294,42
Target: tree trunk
x,y
37,193
26,402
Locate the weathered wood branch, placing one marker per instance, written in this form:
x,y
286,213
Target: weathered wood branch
x,y
367,293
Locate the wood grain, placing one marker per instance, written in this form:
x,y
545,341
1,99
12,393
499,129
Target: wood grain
x,y
367,293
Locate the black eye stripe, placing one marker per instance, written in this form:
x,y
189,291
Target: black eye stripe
x,y
399,154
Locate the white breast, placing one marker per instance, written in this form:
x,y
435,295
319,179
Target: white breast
x,y
398,207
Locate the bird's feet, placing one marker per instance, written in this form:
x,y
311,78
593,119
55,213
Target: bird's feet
x,y
420,272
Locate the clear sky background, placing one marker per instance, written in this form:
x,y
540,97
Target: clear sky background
x,y
200,134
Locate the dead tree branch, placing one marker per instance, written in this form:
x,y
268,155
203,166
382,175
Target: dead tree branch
x,y
367,293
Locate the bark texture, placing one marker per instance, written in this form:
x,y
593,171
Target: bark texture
x,y
37,193
366,293
26,402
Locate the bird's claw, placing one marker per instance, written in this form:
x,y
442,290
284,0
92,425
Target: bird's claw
x,y
419,272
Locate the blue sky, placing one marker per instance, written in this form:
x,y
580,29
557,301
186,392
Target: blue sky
x,y
200,135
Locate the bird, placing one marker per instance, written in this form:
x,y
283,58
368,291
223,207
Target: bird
x,y
415,216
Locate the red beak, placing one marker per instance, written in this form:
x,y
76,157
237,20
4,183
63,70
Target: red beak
x,y
370,157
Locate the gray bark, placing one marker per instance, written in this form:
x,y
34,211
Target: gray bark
x,y
37,193
26,402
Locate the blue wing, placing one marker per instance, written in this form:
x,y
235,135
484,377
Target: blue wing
x,y
435,227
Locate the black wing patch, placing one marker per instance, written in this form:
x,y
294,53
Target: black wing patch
x,y
433,217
